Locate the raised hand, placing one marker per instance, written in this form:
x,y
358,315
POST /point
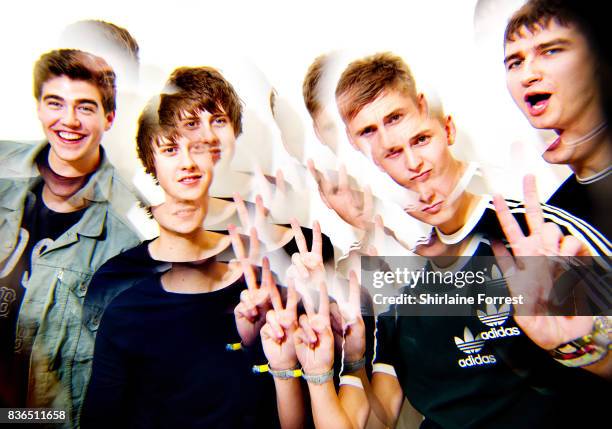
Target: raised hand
x,y
314,340
352,322
278,332
250,313
273,236
533,278
354,207
307,269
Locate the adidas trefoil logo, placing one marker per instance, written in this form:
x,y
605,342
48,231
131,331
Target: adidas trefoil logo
x,y
468,344
494,316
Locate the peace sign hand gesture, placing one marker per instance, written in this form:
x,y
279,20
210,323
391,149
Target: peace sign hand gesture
x,y
352,322
533,278
314,340
250,313
307,267
278,332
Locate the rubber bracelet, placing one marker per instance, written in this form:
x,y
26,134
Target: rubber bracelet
x,y
353,366
318,378
384,368
351,380
285,374
233,346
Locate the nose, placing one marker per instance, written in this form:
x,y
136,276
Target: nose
x,y
208,135
186,160
531,73
413,161
70,118
426,195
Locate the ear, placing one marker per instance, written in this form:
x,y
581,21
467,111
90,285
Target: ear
x,y
449,127
110,118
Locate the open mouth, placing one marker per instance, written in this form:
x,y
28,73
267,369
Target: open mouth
x,y
189,180
537,102
69,137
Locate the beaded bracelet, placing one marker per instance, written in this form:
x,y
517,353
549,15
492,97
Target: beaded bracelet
x,y
353,366
587,349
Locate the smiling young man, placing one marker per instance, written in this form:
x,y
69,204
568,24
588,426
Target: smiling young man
x,y
161,356
554,74
63,209
499,380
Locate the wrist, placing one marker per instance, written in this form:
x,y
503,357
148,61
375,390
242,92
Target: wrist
x,y
588,349
353,365
318,377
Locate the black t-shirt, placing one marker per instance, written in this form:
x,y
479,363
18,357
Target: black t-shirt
x,y
40,226
161,361
589,200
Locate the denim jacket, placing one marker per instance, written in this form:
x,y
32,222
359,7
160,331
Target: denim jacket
x,y
50,317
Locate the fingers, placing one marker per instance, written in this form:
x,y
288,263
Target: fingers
x,y
509,225
299,236
260,210
571,246
292,298
236,242
246,308
270,284
323,303
296,260
317,239
280,182
241,208
503,257
309,334
368,203
354,292
253,246
551,237
272,321
533,209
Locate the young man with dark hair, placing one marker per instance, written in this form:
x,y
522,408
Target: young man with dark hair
x,y
555,74
162,355
510,381
63,213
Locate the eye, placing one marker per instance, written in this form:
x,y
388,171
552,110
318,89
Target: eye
x,y
393,153
87,109
220,121
421,140
394,118
514,64
199,148
551,51
190,125
367,131
169,150
54,104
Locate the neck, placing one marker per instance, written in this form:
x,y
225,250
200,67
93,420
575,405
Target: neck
x,y
195,246
198,278
76,168
466,204
597,159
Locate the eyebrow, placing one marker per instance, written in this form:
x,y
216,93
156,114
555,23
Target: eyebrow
x,y
78,101
539,48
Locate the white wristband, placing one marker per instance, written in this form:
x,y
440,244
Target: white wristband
x,y
351,380
384,368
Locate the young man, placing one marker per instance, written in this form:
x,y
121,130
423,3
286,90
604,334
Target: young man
x,y
510,381
555,75
161,355
62,216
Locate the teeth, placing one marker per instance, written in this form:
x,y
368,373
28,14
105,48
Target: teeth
x,y
69,136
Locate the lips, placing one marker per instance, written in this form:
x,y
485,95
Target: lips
x,y
190,180
537,102
422,177
434,208
69,136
